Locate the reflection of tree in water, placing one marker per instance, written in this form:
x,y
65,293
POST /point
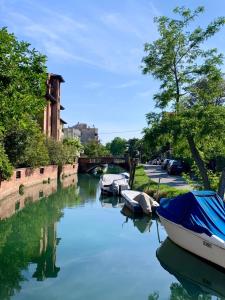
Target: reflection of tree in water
x,y
153,296
88,185
30,237
179,293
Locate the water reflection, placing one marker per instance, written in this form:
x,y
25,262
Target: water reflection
x,y
142,223
88,187
29,235
111,202
198,279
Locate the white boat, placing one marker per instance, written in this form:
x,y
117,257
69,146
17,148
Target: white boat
x,y
114,183
196,228
132,201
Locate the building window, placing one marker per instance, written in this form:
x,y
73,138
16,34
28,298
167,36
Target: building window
x,y
42,170
18,174
41,194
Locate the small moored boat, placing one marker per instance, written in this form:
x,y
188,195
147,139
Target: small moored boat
x,y
139,202
196,222
114,183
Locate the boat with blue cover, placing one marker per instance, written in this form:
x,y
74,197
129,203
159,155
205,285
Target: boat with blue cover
x,y
196,222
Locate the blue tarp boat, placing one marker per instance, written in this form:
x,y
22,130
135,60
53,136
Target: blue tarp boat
x,y
196,222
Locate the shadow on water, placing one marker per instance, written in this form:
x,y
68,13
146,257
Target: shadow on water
x,y
29,235
198,279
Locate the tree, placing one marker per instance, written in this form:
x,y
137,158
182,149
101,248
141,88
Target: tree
x,y
177,59
26,147
72,149
182,66
95,149
23,75
117,146
5,166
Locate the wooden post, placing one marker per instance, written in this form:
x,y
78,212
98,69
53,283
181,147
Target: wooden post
x,y
132,172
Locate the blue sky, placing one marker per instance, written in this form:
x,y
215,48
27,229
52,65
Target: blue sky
x,y
97,46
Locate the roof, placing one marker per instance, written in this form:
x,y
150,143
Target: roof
x,y
57,76
62,121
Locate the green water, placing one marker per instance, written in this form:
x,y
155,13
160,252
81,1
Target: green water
x,y
76,245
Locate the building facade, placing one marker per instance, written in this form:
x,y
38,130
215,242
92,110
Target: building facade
x,y
52,124
84,132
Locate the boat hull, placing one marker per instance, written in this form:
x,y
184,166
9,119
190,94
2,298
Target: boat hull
x,y
202,245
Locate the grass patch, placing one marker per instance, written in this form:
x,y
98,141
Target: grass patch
x,y
143,183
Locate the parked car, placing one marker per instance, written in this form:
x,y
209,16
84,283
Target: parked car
x,y
156,161
165,163
175,167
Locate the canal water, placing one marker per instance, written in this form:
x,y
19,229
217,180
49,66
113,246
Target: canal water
x,y
74,245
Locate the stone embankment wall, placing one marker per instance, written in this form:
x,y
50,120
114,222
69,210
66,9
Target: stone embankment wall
x,y
28,177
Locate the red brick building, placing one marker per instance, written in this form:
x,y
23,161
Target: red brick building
x,y
52,123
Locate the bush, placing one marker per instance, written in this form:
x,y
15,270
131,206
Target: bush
x,y
25,146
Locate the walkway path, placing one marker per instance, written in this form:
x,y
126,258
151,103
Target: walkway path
x,y
155,172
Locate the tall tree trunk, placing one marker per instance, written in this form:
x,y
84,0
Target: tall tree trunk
x,y
199,162
221,189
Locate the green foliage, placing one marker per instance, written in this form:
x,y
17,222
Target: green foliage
x,y
6,168
72,149
117,146
23,77
95,149
21,189
192,81
55,151
65,152
177,59
26,147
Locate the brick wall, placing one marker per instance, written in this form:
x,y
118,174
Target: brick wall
x,y
69,169
27,177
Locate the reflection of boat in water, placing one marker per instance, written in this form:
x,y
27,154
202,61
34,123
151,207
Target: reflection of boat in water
x,y
109,202
197,276
143,223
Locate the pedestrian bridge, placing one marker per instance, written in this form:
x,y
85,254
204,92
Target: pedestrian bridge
x,y
87,164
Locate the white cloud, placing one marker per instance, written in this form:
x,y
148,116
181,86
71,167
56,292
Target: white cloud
x,y
108,40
